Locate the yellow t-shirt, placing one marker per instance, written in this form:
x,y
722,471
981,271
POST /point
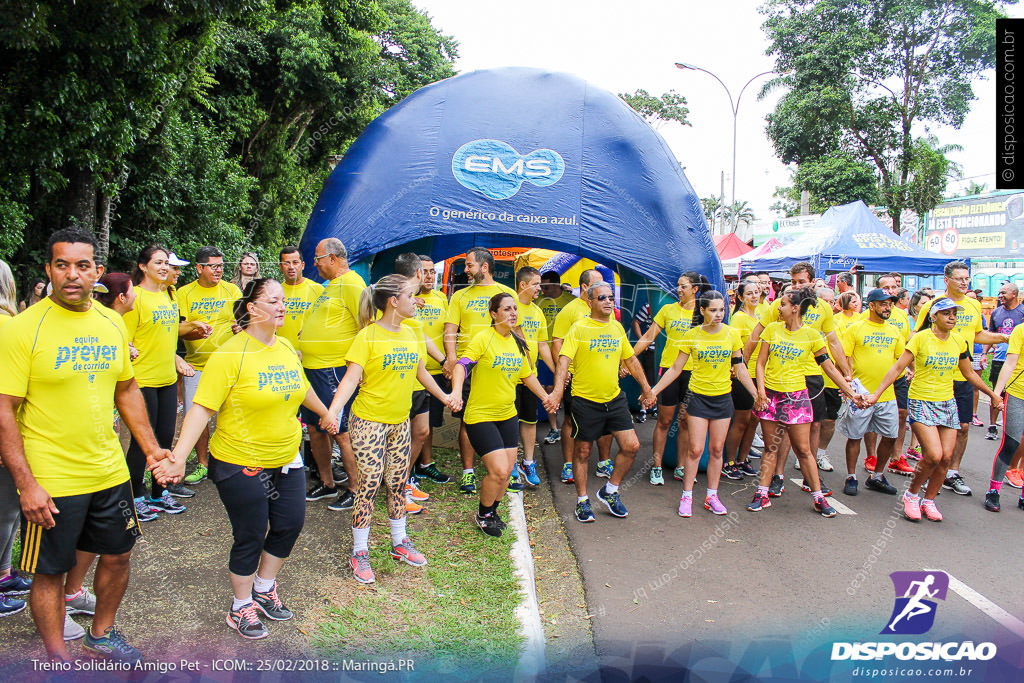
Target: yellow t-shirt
x,y
246,381
65,366
433,314
332,322
790,356
153,329
820,317
743,323
935,365
534,326
499,367
874,348
298,299
898,319
469,309
843,323
969,323
1015,386
711,356
213,306
675,320
595,350
390,361
567,317
552,307
4,318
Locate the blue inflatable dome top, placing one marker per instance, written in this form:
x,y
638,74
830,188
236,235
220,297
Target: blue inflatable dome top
x,y
516,157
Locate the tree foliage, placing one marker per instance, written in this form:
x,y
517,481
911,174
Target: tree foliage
x,y
671,106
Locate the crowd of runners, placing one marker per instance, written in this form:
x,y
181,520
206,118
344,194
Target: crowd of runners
x,y
255,366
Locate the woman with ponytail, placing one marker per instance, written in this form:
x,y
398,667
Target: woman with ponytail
x,y
790,352
713,349
741,431
501,359
388,357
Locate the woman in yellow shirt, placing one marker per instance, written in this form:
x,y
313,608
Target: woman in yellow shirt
x,y
499,358
744,426
714,349
849,309
936,351
388,358
255,384
790,351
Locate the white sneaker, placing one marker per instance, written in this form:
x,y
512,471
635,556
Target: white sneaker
x,y
758,441
823,462
796,464
72,631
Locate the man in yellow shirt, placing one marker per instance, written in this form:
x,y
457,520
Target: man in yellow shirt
x,y
595,346
299,293
533,324
66,365
327,333
969,325
553,298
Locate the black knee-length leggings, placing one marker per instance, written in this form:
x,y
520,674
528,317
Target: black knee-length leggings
x,y
162,407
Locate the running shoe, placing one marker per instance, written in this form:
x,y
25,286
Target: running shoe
x,y
900,466
553,436
641,417
179,491
359,563
1015,478
914,453
321,491
567,473
72,630
747,469
912,508
584,513
957,485
338,473
468,484
612,501
84,602
515,484
992,433
500,521
880,484
759,503
247,622
198,474
112,645
9,605
929,510
731,471
976,422
821,505
143,512
677,474
992,500
604,468
414,491
1020,502
758,442
406,552
825,490
411,506
657,476
489,523
686,507
824,464
15,584
850,487
270,604
796,465
714,505
344,501
777,486
431,472
165,503
529,470
754,453
870,463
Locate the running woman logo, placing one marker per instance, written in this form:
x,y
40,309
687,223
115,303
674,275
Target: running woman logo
x,y
916,592
496,170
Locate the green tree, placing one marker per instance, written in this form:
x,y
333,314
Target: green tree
x,y
671,106
862,75
837,179
739,212
713,209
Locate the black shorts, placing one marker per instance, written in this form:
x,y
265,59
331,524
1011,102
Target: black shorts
x,y
102,523
436,407
902,388
994,370
675,392
741,398
465,394
710,407
963,394
592,420
420,403
526,404
487,437
816,392
324,382
833,402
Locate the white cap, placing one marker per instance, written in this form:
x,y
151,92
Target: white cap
x,y
173,260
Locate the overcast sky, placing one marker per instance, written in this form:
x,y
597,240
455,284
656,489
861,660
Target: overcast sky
x,y
623,46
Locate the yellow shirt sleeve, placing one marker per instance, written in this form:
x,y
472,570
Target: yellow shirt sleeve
x,y
219,375
359,351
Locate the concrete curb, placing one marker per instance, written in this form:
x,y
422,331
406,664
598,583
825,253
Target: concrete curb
x,y
532,657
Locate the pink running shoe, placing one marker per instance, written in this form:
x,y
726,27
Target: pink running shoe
x,y
406,552
914,453
930,511
686,507
912,508
714,505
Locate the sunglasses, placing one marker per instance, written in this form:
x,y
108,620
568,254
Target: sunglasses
x,y
604,297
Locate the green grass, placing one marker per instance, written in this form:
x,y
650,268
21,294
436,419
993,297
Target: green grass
x,y
458,611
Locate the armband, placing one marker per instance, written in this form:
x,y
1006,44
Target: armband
x,y
965,356
737,361
466,364
821,359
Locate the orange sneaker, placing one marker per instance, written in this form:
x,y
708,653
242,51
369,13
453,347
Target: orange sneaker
x,y
869,463
900,466
414,492
1015,478
411,506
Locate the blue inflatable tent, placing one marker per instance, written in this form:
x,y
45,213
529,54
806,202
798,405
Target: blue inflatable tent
x,y
516,157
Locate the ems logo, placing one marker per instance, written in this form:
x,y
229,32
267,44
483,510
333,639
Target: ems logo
x,y
916,593
495,169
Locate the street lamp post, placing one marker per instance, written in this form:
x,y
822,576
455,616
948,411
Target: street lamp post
x,y
735,107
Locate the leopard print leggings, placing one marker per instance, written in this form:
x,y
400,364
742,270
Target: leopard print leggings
x,y
382,453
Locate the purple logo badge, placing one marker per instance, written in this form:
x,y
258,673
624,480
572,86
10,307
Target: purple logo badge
x,y
916,593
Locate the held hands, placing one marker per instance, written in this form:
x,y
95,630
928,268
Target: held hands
x,y
183,368
997,402
454,402
329,422
860,401
648,399
552,400
448,368
623,371
205,329
236,328
133,352
167,467
761,402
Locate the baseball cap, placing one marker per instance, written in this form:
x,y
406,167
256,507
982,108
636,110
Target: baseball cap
x,y
173,260
945,304
878,294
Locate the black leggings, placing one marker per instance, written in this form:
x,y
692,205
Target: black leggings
x,y
162,407
266,509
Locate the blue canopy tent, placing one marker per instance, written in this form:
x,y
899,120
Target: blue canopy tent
x,y
848,235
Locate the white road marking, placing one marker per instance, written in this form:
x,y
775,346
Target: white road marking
x,y
840,508
984,604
